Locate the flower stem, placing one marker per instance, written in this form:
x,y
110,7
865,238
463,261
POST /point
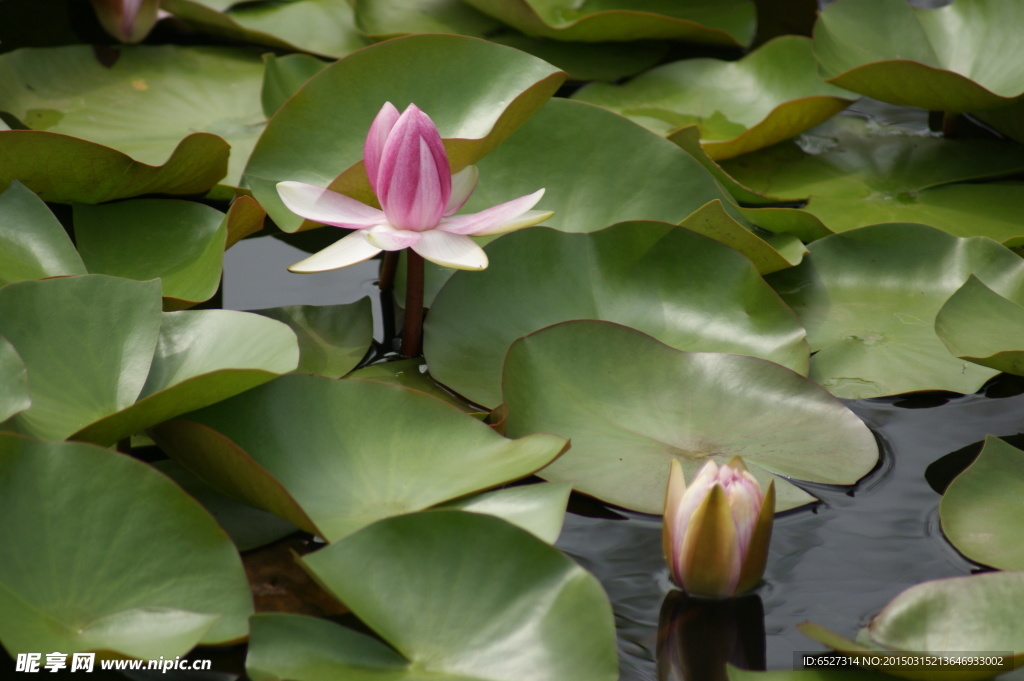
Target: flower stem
x,y
413,331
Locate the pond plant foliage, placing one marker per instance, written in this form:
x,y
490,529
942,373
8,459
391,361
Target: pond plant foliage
x,y
745,219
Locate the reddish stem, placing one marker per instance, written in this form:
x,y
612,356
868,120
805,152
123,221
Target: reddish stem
x,y
412,333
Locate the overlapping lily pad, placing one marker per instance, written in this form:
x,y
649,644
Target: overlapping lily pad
x,y
333,339
981,509
322,26
334,456
945,616
981,326
33,244
104,362
728,22
539,509
79,573
960,57
869,299
860,177
15,396
631,404
142,105
486,93
710,299
740,106
555,623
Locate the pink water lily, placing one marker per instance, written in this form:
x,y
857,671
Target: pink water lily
x,y
127,20
717,529
409,172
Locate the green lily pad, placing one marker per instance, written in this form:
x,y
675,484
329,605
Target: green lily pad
x,y
143,104
865,175
33,244
283,76
539,277
869,299
132,366
539,509
729,22
348,452
981,326
555,624
333,339
961,57
739,106
981,509
1008,119
411,373
15,396
92,173
631,404
953,615
153,581
321,26
487,92
179,242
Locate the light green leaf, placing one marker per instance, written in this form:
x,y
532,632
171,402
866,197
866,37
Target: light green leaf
x,y
33,244
15,396
333,339
981,326
539,509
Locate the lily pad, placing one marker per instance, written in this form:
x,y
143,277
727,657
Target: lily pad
x,y
132,366
33,244
943,616
631,404
960,57
411,373
728,22
487,92
348,452
333,339
869,299
143,104
555,624
539,277
862,174
739,106
981,326
93,173
15,396
538,509
981,509
283,76
321,26
154,581
179,242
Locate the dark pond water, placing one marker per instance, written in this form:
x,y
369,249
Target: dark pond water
x,y
836,563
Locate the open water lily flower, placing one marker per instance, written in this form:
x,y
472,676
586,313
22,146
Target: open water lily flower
x,y
717,529
409,172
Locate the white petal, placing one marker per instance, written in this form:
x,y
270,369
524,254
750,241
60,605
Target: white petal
x,y
451,250
504,217
342,253
328,207
388,238
463,184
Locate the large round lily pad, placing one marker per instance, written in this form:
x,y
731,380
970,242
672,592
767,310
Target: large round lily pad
x,y
455,571
655,277
133,366
334,456
144,103
869,299
726,22
136,567
856,173
631,405
981,509
740,106
486,93
976,615
960,57
981,326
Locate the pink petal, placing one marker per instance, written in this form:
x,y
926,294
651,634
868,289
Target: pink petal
x,y
329,207
451,250
387,238
375,139
342,253
504,217
414,181
463,184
